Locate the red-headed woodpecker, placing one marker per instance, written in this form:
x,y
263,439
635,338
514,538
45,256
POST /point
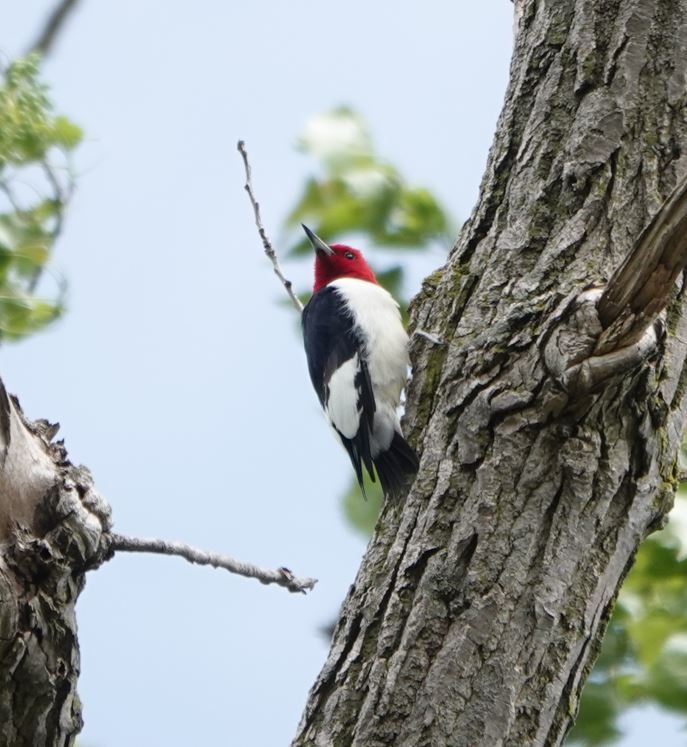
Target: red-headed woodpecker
x,y
357,353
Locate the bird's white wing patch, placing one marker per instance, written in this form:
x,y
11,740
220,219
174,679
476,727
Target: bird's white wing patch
x,y
342,404
378,321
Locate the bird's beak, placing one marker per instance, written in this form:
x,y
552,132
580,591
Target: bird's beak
x,y
317,244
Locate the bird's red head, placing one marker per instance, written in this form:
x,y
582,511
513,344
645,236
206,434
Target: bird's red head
x,y
337,261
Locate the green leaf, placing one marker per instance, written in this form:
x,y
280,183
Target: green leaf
x,y
644,654
336,138
21,314
600,706
65,133
667,679
33,141
355,192
362,513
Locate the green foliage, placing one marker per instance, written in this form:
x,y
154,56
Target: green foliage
x,y
32,140
357,193
361,513
644,654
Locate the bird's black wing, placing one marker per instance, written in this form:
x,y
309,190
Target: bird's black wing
x,y
333,345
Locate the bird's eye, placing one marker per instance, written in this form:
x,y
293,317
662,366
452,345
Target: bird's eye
x,y
349,255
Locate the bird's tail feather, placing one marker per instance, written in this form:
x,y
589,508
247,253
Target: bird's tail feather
x,y
395,465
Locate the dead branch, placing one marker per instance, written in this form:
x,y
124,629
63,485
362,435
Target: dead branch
x,y
266,243
53,26
281,576
640,288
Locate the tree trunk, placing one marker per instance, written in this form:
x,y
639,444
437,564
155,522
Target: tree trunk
x,y
482,599
53,527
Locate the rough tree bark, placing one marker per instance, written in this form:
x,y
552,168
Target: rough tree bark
x,y
548,426
53,528
482,599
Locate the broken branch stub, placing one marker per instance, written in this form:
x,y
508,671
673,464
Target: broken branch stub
x,y
641,286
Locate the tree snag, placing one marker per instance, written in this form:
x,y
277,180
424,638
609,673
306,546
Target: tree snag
x,y
53,527
547,407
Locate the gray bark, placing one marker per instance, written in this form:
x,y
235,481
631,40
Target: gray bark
x,y
53,528
482,600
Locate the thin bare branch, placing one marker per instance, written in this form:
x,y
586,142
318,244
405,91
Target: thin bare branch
x,y
53,26
640,288
63,194
266,243
281,576
7,191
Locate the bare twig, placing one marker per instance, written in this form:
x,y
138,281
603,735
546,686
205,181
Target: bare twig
x,y
640,288
281,576
52,27
7,191
62,197
267,245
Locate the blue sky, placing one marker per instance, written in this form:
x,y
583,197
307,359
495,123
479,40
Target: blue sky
x,y
177,376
